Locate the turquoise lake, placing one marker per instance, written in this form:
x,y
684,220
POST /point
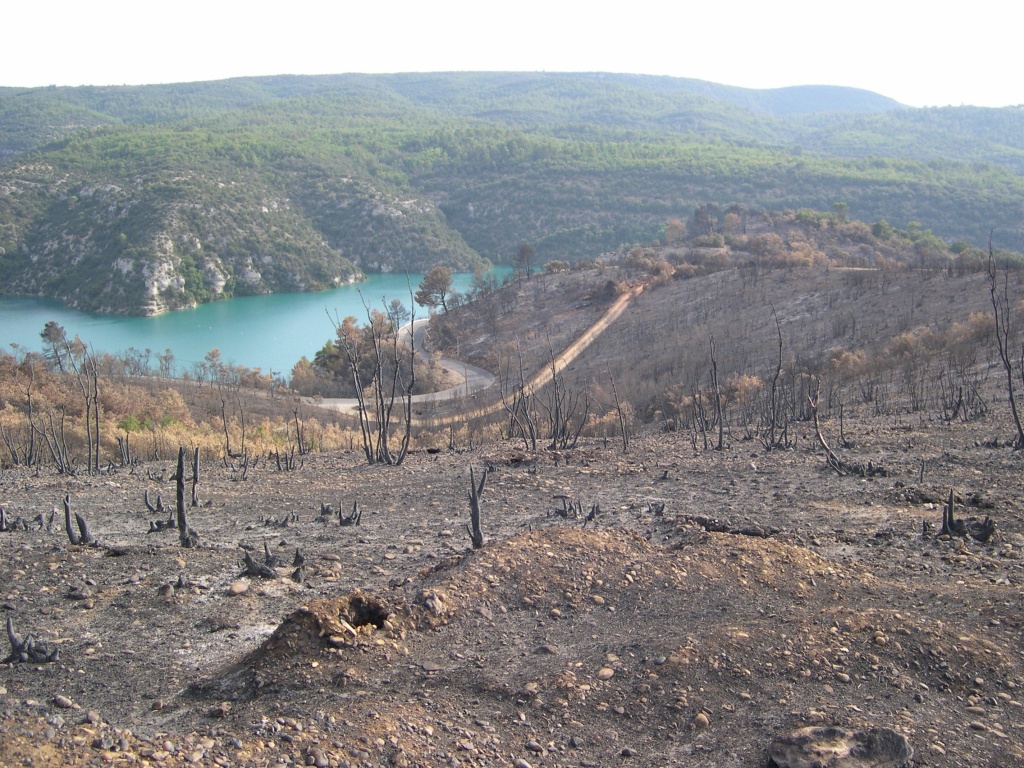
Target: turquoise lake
x,y
266,332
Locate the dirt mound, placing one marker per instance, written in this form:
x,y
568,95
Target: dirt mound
x,y
282,662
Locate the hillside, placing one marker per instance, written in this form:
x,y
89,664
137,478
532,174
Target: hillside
x,y
721,600
668,601
828,287
145,198
44,114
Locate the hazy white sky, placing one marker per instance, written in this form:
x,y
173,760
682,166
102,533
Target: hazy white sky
x,y
919,56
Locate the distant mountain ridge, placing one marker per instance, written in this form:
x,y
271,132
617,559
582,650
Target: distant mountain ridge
x,y
149,103
147,198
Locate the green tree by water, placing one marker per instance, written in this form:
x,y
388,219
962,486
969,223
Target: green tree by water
x,y
435,288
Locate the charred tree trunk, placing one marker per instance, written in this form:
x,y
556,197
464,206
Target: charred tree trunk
x,y
833,461
773,407
950,525
195,478
299,441
82,536
186,536
259,570
224,421
623,426
241,416
87,375
352,519
125,450
521,422
1005,336
718,396
55,437
476,535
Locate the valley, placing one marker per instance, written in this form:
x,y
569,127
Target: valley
x,y
657,603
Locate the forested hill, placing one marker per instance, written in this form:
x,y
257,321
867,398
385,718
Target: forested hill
x,y
146,198
37,114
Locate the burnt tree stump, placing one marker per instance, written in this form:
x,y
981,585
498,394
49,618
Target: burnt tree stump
x,y
476,535
352,519
259,570
28,649
186,534
195,479
82,536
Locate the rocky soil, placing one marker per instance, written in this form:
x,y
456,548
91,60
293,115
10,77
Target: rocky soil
x,y
713,602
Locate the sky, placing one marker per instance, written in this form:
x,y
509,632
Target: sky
x,y
968,55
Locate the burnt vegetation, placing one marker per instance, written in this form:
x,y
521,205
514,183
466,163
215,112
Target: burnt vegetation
x,y
759,475
731,329
779,320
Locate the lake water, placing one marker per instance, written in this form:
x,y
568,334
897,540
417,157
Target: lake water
x,y
266,332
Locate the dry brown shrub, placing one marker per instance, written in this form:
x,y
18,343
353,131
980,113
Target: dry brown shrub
x,y
661,273
766,245
847,364
607,424
914,343
855,230
685,270
976,330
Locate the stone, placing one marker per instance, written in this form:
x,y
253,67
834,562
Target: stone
x,y
605,673
838,748
238,587
219,710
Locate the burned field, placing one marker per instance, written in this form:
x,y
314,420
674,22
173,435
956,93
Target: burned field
x,y
714,602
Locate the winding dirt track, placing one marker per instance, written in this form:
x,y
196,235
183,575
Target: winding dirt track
x,y
543,376
482,383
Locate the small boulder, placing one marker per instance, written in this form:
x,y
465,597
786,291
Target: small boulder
x,y
838,748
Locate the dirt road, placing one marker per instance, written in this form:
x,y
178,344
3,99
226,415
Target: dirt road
x,y
473,380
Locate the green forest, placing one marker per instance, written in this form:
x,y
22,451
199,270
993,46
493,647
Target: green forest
x,y
141,199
